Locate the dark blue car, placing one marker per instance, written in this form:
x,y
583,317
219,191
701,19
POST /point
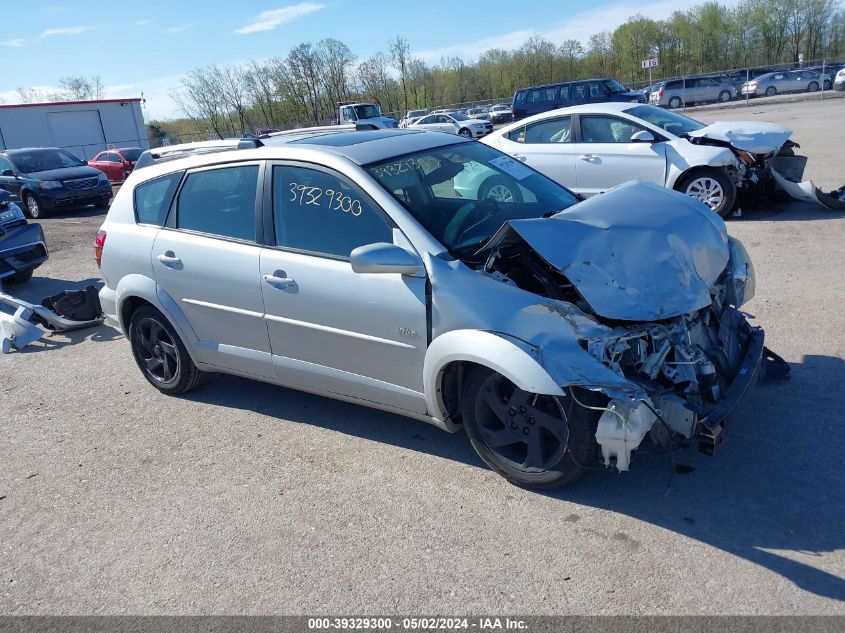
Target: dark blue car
x,y
46,178
22,245
528,101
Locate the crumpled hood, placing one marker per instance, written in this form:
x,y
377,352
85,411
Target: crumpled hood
x,y
750,136
639,252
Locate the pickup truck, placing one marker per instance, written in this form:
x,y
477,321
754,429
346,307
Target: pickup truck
x,y
364,116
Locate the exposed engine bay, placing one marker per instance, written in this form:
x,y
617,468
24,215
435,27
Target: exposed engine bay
x,y
687,369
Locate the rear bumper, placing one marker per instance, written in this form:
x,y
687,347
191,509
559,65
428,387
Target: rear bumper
x,y
22,248
726,412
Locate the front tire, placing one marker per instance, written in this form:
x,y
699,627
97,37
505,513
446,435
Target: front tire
x,y
160,354
712,187
465,132
32,207
535,441
724,96
813,86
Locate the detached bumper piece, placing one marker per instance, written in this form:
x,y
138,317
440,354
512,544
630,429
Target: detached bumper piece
x,y
721,416
21,248
68,310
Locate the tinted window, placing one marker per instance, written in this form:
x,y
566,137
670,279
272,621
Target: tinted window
x,y
542,94
564,92
220,202
517,135
131,154
34,160
152,199
317,212
606,129
519,98
550,131
673,85
597,89
5,164
578,91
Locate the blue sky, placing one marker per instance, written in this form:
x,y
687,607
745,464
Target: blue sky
x,y
147,45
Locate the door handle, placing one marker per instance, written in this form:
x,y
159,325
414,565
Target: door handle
x,y
588,157
280,282
169,259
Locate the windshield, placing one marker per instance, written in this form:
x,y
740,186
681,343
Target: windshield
x,y
672,122
131,154
36,160
368,111
463,193
614,86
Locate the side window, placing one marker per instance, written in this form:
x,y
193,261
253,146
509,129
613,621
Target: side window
x,y
517,135
606,129
596,89
152,199
578,91
5,164
317,212
564,92
552,131
113,158
426,120
520,97
220,202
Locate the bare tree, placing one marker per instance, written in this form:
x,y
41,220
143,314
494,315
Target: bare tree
x,y
399,51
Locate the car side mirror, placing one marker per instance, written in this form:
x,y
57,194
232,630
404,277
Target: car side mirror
x,y
8,173
643,136
382,257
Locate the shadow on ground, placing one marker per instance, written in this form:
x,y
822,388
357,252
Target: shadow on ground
x,y
772,494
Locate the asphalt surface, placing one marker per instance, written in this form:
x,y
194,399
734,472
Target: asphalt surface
x,y
245,498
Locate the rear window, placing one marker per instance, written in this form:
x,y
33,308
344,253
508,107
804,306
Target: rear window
x,y
518,98
152,199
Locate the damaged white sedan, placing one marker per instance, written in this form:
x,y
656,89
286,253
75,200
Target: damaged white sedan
x,y
595,147
556,333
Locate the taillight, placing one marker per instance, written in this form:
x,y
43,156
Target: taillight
x,y
99,243
660,92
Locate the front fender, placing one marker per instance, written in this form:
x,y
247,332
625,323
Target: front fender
x,y
514,359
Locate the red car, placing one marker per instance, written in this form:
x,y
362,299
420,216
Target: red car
x,y
116,163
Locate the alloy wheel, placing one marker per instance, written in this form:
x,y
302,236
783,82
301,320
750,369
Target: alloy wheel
x,y
706,190
526,430
500,193
32,207
157,351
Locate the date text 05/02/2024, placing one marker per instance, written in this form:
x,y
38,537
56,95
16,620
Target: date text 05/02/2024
x,y
418,624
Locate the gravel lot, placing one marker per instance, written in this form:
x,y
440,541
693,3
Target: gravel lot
x,y
244,498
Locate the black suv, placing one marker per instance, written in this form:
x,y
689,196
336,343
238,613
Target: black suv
x,y
528,101
45,178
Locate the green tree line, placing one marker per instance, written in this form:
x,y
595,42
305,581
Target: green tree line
x,y
304,86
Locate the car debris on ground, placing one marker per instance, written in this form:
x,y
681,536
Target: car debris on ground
x,y
65,311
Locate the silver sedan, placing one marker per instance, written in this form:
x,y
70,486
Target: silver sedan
x,y
771,84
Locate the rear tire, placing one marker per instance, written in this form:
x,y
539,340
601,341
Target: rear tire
x,y
160,354
500,189
535,441
712,187
771,91
674,103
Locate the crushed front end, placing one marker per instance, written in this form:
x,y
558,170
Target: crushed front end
x,y
651,286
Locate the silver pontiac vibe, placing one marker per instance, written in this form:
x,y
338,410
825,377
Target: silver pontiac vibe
x,y
556,332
